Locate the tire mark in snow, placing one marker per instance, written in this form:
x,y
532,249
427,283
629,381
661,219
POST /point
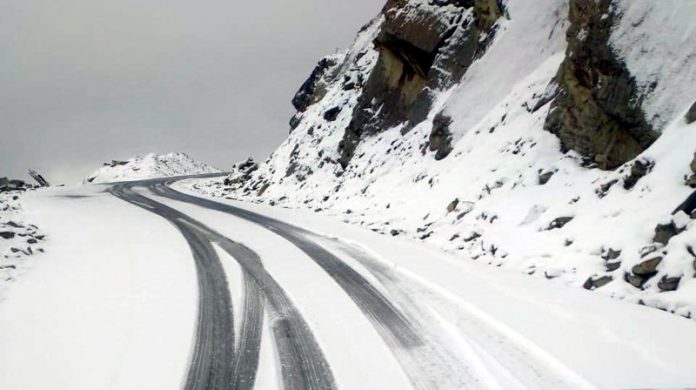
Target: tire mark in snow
x,y
426,366
504,362
303,364
212,361
247,362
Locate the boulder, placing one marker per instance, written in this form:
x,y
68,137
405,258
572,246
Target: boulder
x,y
664,233
688,206
452,206
332,113
611,254
38,178
597,282
634,280
638,170
441,137
691,116
669,283
559,223
313,89
295,121
545,177
647,268
612,266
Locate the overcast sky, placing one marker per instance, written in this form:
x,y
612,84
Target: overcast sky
x,y
86,81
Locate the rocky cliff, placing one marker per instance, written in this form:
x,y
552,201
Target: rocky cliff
x,y
551,136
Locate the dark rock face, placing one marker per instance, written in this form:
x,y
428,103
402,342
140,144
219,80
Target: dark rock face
x,y
688,206
691,114
423,48
648,268
597,111
40,180
691,181
643,272
116,163
453,205
242,172
441,137
295,121
332,113
594,283
638,170
669,283
7,185
312,90
559,222
7,235
664,233
545,177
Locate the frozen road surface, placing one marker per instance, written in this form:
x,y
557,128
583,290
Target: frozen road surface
x,y
146,286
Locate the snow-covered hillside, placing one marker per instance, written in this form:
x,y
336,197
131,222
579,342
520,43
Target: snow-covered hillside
x,y
149,166
562,148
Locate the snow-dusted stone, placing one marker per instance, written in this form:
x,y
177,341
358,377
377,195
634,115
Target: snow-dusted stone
x,y
647,268
597,282
691,116
638,170
665,232
669,283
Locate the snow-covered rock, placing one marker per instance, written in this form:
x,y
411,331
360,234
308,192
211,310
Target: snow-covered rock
x,y
19,238
148,167
563,139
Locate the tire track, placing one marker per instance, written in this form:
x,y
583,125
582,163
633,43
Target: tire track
x,y
420,361
303,365
212,363
504,363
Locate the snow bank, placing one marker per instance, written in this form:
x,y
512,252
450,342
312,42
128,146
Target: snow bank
x,y
148,167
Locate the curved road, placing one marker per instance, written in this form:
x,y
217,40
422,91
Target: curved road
x,y
427,358
405,314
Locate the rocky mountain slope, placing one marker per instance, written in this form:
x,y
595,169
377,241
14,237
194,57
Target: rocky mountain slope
x,y
555,137
149,166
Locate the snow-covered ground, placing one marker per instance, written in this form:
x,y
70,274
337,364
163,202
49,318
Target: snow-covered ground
x,y
113,306
149,166
110,305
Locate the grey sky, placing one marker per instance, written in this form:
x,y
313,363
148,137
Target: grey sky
x,y
85,81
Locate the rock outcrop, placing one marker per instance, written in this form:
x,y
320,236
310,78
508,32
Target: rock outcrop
x,y
691,114
597,112
423,48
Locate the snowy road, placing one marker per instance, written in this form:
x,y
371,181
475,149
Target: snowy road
x,y
160,289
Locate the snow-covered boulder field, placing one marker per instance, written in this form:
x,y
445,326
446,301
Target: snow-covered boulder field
x,y
148,167
549,136
19,238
